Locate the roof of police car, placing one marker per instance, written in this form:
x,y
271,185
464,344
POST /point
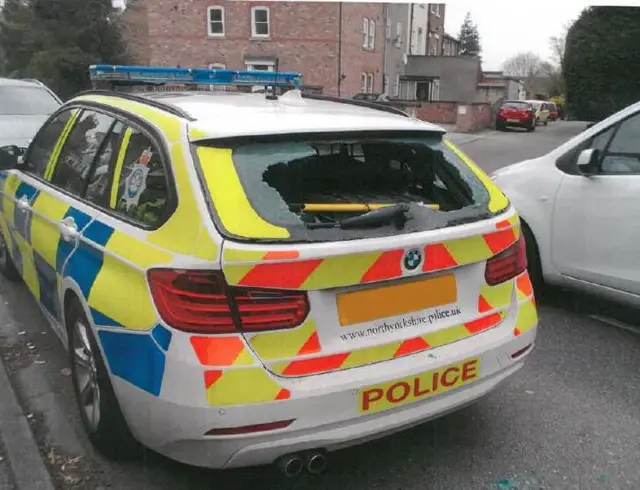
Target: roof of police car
x,y
220,114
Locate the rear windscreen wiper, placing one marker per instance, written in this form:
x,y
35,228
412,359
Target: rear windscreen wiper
x,y
396,215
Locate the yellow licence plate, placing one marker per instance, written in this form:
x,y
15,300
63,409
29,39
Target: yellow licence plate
x,y
399,299
404,391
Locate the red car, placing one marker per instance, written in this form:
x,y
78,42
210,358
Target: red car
x,y
516,113
553,111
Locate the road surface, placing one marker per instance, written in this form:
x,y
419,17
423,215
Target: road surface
x,y
569,420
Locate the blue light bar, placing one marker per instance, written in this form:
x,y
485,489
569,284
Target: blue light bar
x,y
198,76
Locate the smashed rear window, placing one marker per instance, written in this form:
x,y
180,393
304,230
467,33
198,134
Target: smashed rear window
x,y
333,187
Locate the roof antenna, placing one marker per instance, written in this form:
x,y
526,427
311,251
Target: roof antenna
x,y
273,95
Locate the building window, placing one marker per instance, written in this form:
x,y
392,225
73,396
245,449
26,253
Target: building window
x,y
398,33
437,10
370,83
363,82
433,8
372,34
365,33
216,21
388,28
385,89
217,66
420,41
396,87
260,22
260,66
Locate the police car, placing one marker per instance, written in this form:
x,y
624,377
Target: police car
x,y
244,279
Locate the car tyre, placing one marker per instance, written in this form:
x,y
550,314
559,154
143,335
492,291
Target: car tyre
x,y
99,409
532,127
7,267
534,265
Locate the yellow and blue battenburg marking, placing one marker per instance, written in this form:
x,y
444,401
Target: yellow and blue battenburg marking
x,y
137,357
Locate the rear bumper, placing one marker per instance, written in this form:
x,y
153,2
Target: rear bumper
x,y
326,420
523,123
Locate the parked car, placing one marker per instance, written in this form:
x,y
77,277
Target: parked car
x,y
541,110
553,111
245,279
579,209
516,113
24,106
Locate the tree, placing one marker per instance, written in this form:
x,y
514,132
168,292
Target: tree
x,y
55,41
523,65
557,45
469,37
602,62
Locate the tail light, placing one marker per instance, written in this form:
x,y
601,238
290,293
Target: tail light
x,y
507,264
203,302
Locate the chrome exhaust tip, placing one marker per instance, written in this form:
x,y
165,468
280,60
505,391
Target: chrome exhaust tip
x,y
316,463
290,465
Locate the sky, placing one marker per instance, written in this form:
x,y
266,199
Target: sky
x,y
510,27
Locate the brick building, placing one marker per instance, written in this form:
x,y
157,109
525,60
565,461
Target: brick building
x,y
435,29
336,46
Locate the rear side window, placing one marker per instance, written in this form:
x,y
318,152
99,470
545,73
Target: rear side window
x,y
100,180
80,149
142,190
319,188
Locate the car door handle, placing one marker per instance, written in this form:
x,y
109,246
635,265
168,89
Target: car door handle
x,y
68,230
23,203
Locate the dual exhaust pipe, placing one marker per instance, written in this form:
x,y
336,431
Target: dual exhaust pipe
x,y
291,465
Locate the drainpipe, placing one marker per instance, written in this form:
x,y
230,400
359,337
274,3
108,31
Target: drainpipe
x,y
385,13
411,29
339,49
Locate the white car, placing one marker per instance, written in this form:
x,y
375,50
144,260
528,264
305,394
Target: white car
x,y
262,278
579,205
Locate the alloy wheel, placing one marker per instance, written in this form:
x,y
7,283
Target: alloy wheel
x,y
86,378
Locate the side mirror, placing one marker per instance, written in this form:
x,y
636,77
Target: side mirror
x,y
10,157
588,162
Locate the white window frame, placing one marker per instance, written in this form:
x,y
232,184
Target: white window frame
x,y
372,35
365,33
386,85
217,66
398,33
437,10
251,63
369,83
388,33
363,82
254,32
396,89
433,8
209,32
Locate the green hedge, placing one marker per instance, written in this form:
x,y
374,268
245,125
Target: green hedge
x,y
602,62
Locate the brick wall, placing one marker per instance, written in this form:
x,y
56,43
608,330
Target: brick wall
x,y
476,117
304,37
435,26
438,112
135,30
356,60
